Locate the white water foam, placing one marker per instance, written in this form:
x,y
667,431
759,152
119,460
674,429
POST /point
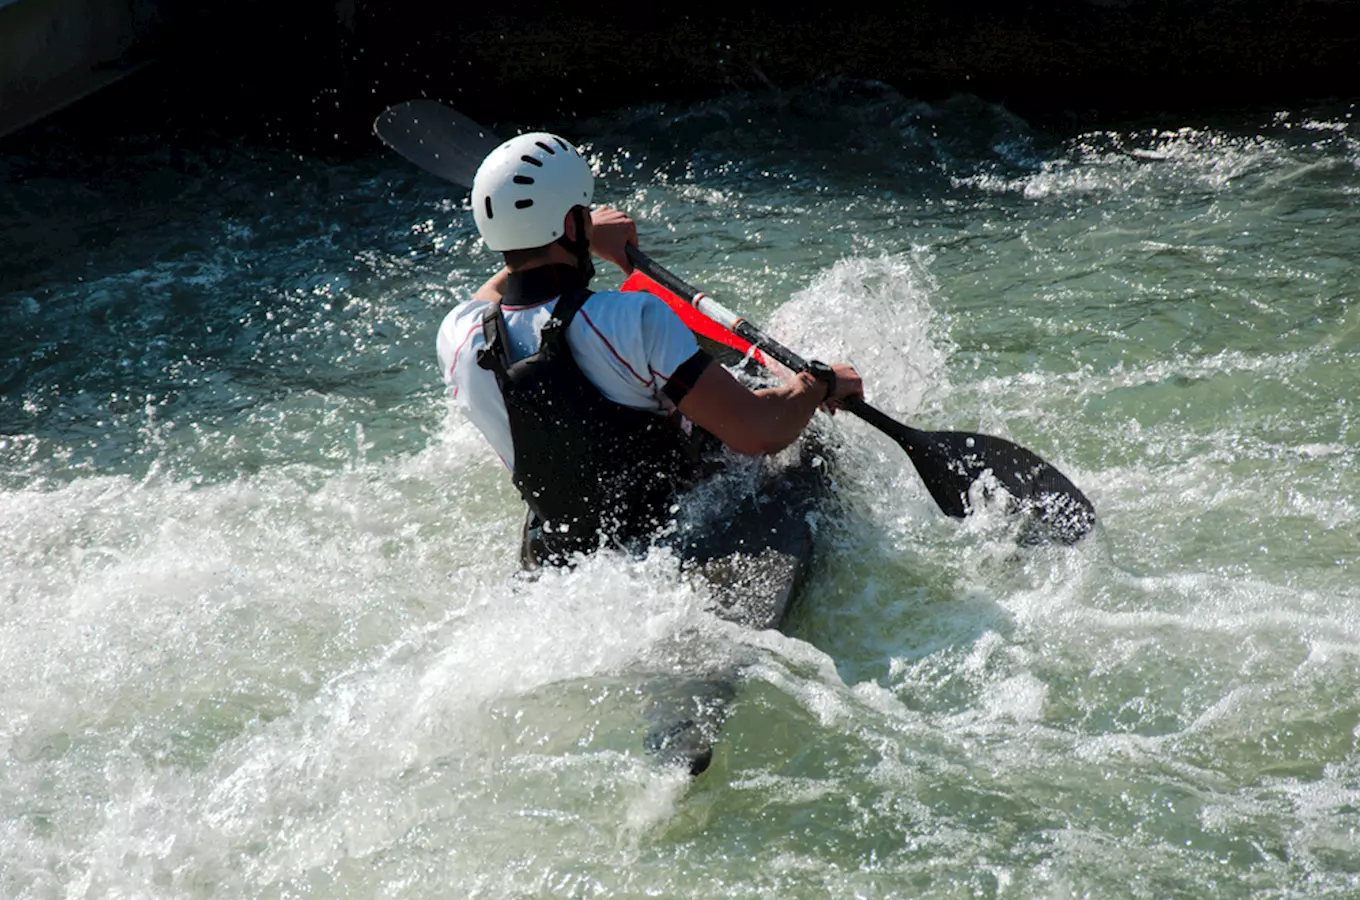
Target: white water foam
x,y
279,657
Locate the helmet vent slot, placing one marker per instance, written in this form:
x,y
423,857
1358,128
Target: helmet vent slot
x,y
523,204
489,213
523,179
529,159
565,145
550,150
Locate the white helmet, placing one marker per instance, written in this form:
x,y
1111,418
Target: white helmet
x,y
525,188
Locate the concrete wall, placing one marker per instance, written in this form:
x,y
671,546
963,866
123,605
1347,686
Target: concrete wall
x,y
53,52
1123,56
313,73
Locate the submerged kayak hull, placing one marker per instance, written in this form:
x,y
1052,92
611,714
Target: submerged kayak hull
x,y
755,561
754,554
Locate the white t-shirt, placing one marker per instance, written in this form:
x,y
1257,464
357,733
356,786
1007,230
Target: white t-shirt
x,y
628,345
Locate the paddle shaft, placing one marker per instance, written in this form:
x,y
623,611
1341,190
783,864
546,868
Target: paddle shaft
x,y
741,327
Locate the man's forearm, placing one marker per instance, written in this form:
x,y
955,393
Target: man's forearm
x,y
753,422
789,408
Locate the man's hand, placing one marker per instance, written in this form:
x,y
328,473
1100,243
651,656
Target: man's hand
x,y
848,384
611,231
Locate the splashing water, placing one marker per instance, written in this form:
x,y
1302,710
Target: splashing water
x,y
262,634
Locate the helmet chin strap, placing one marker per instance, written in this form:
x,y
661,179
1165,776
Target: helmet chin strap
x,y
580,247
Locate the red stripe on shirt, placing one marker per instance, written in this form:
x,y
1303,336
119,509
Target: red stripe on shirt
x,y
453,365
643,381
664,377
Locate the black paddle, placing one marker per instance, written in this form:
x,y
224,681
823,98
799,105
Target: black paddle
x,y
448,144
440,140
949,462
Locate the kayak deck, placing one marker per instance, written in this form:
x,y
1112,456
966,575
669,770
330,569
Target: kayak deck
x,y
756,557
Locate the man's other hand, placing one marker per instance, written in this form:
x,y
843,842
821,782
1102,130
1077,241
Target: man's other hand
x,y
611,231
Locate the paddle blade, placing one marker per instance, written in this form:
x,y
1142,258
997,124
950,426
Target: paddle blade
x,y
952,462
694,320
436,138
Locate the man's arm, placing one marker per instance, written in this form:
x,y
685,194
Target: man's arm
x,y
611,231
763,421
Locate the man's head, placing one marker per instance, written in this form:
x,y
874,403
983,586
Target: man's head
x,y
524,192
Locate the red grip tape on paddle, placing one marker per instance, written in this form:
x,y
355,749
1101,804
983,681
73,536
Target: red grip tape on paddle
x,y
694,320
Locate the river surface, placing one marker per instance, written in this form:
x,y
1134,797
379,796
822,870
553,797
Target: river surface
x,y
260,635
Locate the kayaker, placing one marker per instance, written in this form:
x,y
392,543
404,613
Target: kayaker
x,y
587,397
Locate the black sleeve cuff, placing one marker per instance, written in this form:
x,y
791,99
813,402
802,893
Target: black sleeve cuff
x,y
685,376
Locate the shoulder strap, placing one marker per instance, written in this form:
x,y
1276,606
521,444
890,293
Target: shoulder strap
x,y
564,311
496,354
569,304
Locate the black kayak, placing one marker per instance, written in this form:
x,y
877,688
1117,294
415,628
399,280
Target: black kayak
x,y
753,551
755,559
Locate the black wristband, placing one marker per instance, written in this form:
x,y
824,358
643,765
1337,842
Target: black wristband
x,y
823,373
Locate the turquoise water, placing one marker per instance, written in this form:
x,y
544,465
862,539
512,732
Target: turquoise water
x,y
261,638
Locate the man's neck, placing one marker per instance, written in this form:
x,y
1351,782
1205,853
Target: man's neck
x,y
553,255
538,284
